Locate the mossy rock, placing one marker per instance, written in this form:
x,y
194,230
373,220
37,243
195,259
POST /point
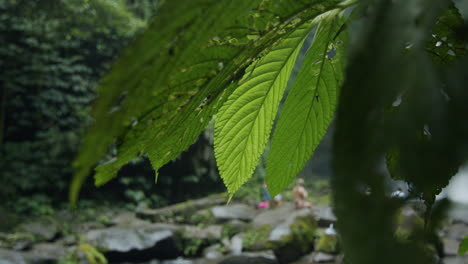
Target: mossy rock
x,y
328,244
299,242
43,229
202,218
17,241
232,228
257,239
407,221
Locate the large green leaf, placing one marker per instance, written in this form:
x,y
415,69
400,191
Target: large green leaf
x,y
167,85
244,122
310,105
447,44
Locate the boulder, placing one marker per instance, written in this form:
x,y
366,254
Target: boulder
x,y
233,227
209,233
324,215
202,217
317,257
457,231
233,211
182,211
213,252
46,253
43,229
235,244
257,239
275,216
42,253
195,239
140,243
11,257
295,237
17,241
453,260
177,261
451,246
248,260
321,257
125,219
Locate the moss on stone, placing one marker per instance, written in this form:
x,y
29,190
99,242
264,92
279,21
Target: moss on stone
x,y
257,239
232,228
202,218
328,244
303,231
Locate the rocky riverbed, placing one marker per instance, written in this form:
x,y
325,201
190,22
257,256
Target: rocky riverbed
x,y
198,231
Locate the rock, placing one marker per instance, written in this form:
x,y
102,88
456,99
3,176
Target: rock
x,y
195,239
43,229
22,245
257,239
269,254
185,209
451,247
323,258
325,216
125,219
316,257
11,257
17,241
213,252
274,217
248,260
456,231
177,261
235,246
284,228
297,236
46,253
139,243
233,227
41,253
234,211
209,233
69,240
202,217
453,260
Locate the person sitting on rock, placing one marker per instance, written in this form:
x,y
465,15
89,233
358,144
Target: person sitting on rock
x,y
300,195
265,203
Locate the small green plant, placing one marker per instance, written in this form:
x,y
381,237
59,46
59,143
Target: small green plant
x,y
193,246
92,255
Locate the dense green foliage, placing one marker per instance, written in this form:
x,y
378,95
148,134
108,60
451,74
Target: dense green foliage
x,y
403,98
52,55
401,89
199,59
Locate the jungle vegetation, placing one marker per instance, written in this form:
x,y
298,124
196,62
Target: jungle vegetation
x,y
390,73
